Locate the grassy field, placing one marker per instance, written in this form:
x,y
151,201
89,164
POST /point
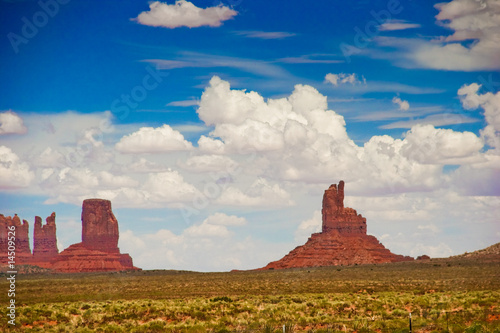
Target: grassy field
x,y
460,295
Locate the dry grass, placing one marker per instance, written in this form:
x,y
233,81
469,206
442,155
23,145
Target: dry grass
x,y
458,295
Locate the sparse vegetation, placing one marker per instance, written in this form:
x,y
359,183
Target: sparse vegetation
x,y
463,296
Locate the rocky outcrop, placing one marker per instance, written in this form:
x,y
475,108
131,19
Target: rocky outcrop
x,y
423,257
337,217
78,259
99,226
20,236
44,239
343,240
98,250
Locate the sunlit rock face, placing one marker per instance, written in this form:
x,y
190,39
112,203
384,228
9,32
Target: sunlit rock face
x,y
343,240
98,250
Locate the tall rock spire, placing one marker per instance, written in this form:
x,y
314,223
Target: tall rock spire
x,y
44,239
343,240
99,226
336,216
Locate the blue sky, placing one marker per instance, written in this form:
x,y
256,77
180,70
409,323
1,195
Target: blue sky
x,y
214,127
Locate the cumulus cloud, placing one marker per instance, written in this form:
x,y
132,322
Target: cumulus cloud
x,y
209,163
299,139
428,144
273,154
260,194
245,122
490,103
158,189
145,166
11,123
343,78
215,226
206,246
223,219
14,173
153,140
403,105
168,187
184,14
308,227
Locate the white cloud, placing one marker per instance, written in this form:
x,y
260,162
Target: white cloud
x,y
50,158
432,228
207,230
403,105
145,166
202,247
11,123
473,46
284,153
308,227
226,220
215,226
427,144
153,140
265,34
343,78
311,59
394,25
209,163
169,187
260,194
434,251
184,14
442,119
108,180
14,173
490,103
210,145
190,102
257,67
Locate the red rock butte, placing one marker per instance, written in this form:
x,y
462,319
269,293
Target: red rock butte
x,y
97,252
343,240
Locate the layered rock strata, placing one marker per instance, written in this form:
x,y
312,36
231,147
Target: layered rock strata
x,y
98,250
44,239
20,235
343,240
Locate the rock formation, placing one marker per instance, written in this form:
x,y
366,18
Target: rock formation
x,y
336,217
44,239
343,240
99,226
21,239
98,250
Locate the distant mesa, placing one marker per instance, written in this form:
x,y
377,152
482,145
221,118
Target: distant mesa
x,y
342,241
97,252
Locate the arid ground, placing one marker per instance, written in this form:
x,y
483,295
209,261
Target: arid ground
x,y
443,295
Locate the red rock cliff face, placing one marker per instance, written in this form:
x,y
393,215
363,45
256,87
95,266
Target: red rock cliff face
x,y
22,241
98,250
99,226
44,239
343,240
336,217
